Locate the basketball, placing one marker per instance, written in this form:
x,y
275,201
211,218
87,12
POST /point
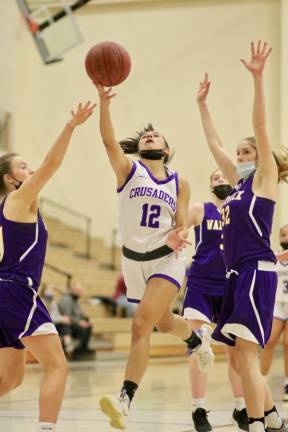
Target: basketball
x,y
108,63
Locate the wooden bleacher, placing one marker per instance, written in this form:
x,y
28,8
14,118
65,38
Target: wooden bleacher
x,y
64,241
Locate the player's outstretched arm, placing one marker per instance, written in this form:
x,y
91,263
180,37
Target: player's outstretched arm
x,y
221,156
120,163
32,186
267,166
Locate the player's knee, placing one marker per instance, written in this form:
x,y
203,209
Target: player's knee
x,y
140,328
271,344
244,355
10,382
57,363
233,363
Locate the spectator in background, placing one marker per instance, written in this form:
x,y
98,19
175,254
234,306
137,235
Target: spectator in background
x,y
48,296
127,309
74,322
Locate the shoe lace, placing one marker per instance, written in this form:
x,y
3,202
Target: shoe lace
x,y
125,403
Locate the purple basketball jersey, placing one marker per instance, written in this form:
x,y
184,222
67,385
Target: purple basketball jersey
x,y
208,261
23,249
247,222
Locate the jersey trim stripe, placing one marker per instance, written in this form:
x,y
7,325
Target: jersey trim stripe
x,y
132,172
32,245
177,183
131,300
159,182
254,306
200,237
28,322
163,276
251,208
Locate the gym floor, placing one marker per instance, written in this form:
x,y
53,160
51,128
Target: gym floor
x,y
163,402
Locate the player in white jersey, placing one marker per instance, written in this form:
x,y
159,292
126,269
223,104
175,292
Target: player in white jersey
x,y
280,320
153,214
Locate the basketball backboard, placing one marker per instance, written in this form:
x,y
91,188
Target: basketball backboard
x,y
52,25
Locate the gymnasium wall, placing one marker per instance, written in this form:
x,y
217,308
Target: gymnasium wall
x,y
171,44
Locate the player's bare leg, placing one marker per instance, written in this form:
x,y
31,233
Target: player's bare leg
x,y
267,353
48,351
12,366
239,415
153,311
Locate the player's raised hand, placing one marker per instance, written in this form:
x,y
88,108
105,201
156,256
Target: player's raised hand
x,y
176,239
203,89
259,55
81,114
105,94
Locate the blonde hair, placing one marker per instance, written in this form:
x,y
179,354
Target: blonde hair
x,y
281,159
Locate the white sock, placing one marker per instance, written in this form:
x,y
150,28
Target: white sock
x,y
198,403
256,426
239,403
273,420
47,427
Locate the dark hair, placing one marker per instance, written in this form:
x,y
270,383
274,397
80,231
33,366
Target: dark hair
x,y
281,159
5,168
130,145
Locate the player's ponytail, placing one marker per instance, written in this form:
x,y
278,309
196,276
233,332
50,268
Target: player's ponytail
x,y
281,159
130,145
5,168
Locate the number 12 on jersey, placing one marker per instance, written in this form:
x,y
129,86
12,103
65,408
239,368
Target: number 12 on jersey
x,y
150,214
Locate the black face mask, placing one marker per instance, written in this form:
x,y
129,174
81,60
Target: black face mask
x,y
156,154
284,246
222,191
75,297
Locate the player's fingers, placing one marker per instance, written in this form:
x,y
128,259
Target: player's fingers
x,y
108,91
177,230
264,48
268,53
86,105
252,48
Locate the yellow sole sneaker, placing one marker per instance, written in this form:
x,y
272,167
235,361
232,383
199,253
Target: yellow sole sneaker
x,y
110,407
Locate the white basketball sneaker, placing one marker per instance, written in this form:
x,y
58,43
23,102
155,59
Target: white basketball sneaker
x,y
204,353
116,408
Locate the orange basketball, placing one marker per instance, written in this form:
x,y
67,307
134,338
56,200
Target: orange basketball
x,y
108,63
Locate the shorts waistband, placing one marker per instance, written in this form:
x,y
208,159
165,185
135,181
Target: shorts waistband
x,y
147,256
268,266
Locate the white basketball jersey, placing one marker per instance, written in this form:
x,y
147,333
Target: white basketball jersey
x,y
147,208
282,287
